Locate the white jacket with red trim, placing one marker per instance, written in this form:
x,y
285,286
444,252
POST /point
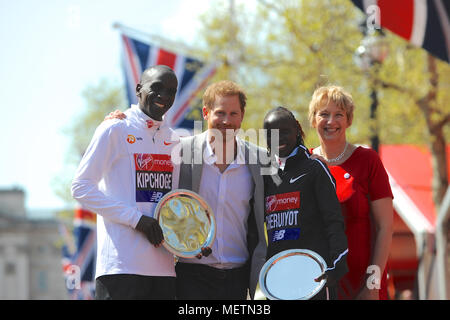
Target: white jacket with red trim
x,y
124,172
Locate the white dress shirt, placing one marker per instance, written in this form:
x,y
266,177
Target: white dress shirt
x,y
229,195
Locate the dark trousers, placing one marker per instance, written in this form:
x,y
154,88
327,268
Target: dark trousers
x,y
134,287
201,282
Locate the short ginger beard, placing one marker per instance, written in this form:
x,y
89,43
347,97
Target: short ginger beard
x,y
223,145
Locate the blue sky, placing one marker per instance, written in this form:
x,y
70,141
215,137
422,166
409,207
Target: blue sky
x,y
52,50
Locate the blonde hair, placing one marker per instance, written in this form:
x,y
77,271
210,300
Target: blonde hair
x,y
324,95
223,88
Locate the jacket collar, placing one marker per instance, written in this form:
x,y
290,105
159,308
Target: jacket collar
x,y
298,154
144,120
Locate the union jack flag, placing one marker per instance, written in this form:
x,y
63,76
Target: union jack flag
x,y
424,23
79,254
192,75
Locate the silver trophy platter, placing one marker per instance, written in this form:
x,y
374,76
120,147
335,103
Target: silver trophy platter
x,y
290,274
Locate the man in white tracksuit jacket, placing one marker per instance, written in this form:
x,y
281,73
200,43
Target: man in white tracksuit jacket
x,y
124,172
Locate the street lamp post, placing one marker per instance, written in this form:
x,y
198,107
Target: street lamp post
x,y
370,55
374,139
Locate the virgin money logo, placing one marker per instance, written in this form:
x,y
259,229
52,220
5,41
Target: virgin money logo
x,y
271,203
153,162
144,161
284,201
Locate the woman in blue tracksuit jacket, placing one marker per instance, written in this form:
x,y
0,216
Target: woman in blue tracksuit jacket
x,y
302,209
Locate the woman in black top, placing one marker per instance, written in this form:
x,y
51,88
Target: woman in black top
x,y
302,209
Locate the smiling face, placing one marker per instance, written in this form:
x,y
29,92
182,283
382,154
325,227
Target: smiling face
x,y
225,115
331,122
156,91
331,113
288,131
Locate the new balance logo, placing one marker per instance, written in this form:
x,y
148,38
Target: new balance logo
x,y
156,196
278,235
284,234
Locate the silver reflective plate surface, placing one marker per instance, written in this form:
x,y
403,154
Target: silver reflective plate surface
x,y
187,222
290,274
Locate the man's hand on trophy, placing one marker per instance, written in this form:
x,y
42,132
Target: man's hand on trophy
x,y
206,251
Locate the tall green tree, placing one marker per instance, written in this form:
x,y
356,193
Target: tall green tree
x,y
281,51
428,93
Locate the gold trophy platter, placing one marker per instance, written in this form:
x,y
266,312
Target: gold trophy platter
x,y
187,222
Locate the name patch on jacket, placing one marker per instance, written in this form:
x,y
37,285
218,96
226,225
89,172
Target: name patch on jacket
x,y
153,176
282,216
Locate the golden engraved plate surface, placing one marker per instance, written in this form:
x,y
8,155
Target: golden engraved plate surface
x,y
187,222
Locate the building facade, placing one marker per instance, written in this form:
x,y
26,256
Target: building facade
x,y
30,254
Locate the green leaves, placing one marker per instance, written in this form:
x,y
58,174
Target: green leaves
x,y
289,48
